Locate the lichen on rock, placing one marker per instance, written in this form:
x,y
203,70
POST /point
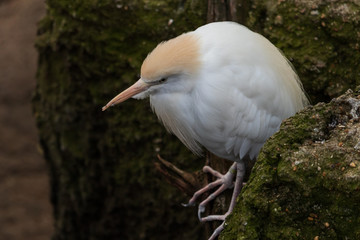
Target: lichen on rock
x,y
306,182
321,38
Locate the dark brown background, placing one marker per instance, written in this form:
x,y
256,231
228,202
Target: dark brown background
x,y
25,211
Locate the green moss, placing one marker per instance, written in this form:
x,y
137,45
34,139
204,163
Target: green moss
x,y
101,163
303,184
320,39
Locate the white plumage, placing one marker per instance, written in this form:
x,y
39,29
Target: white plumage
x,y
222,87
242,92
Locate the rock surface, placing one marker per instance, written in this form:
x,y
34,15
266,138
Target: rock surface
x,y
321,38
306,182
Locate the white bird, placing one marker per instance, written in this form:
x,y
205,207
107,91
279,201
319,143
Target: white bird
x,y
222,87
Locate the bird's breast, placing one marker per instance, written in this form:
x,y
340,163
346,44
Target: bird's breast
x,y
176,112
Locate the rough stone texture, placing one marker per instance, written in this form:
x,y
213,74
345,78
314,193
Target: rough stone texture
x,y
101,163
321,38
306,182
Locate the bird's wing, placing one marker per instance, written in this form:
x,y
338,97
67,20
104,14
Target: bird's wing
x,y
246,88
244,109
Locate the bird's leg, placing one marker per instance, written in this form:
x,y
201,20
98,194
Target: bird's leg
x,y
240,172
238,185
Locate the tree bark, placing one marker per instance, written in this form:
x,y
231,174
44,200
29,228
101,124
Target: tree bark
x,y
103,183
228,10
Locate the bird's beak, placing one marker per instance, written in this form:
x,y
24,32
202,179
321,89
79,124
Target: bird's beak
x,y
136,88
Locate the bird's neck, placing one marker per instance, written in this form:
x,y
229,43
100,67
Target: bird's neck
x,y
175,111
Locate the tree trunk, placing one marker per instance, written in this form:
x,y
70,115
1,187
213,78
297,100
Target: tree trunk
x,y
103,181
228,10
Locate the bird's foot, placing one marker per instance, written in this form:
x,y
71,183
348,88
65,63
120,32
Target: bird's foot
x,y
225,181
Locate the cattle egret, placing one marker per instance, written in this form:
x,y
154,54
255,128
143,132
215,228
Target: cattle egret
x,y
222,87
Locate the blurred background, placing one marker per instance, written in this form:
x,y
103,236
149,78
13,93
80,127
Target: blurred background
x,y
103,185
25,210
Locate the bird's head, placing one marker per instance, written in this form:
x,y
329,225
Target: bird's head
x,y
170,67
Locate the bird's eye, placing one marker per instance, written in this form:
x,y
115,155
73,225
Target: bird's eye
x,y
162,80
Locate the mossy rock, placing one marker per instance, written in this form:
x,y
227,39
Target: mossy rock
x,y
321,38
306,181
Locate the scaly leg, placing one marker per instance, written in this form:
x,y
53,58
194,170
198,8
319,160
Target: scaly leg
x,y
225,182
240,172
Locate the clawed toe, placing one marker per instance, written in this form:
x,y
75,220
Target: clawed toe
x,y
201,209
225,182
